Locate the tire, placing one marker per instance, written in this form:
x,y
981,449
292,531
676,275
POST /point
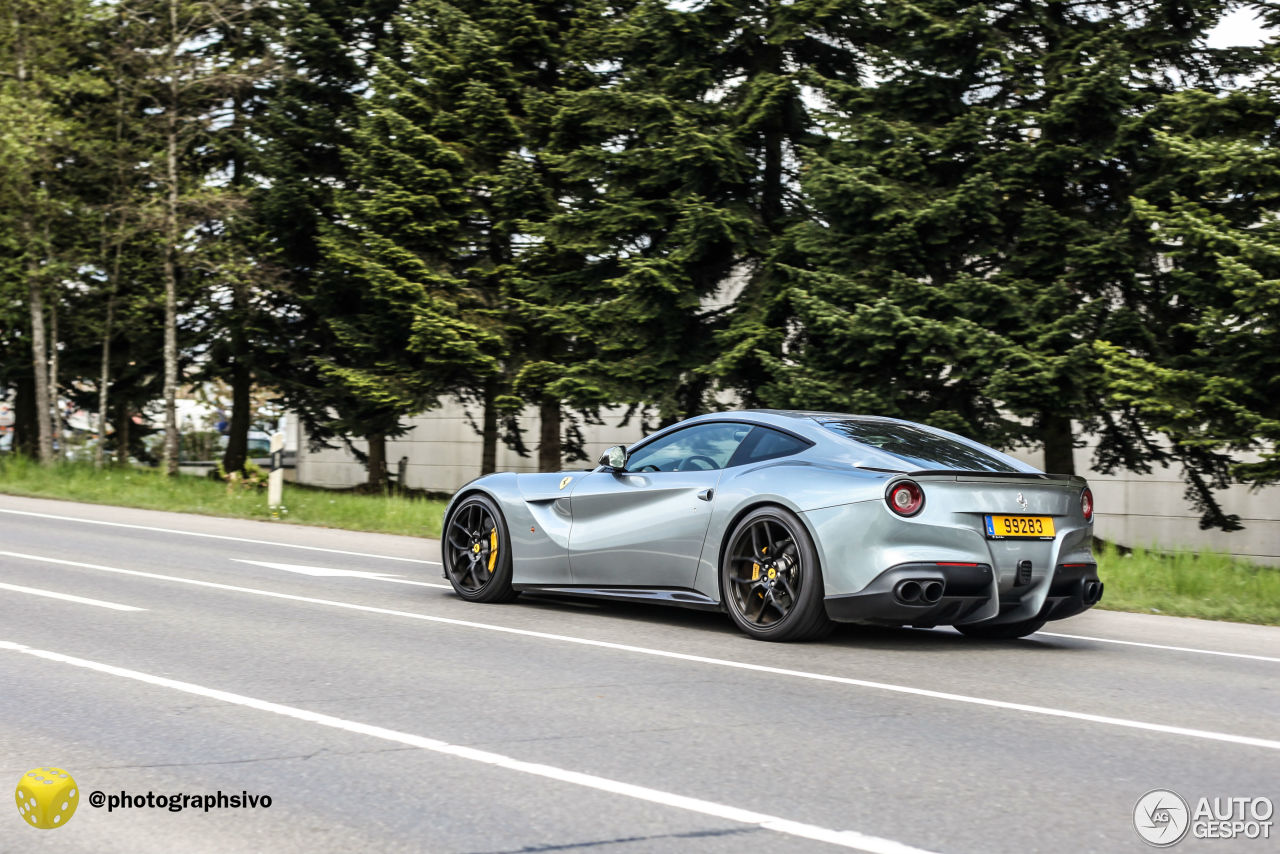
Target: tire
x,y
1002,631
476,551
773,598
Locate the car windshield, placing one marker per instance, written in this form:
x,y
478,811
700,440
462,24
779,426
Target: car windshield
x,y
918,447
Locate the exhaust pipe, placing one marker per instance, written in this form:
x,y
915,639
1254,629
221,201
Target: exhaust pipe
x,y
909,592
1091,593
931,592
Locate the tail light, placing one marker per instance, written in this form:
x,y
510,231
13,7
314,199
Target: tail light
x,y
905,498
1086,504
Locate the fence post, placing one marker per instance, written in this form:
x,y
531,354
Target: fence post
x,y
275,480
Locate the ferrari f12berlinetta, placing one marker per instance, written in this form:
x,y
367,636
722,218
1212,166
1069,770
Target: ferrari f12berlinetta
x,y
790,521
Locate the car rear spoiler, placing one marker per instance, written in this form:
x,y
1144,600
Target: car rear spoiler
x,y
1030,475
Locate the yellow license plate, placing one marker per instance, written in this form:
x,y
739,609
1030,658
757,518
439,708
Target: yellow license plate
x,y
1038,527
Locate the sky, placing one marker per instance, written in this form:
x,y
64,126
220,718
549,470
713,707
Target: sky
x,y
1241,28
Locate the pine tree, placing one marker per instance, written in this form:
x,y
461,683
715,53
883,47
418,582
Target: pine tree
x,y
1208,385
312,110
40,216
407,326
452,161
973,232
684,180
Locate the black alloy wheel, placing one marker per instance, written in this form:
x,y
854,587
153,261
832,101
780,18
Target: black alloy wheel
x,y
770,579
477,551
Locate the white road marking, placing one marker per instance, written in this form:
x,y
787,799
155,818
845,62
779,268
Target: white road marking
x,y
845,838
326,572
1188,732
214,536
1162,646
67,597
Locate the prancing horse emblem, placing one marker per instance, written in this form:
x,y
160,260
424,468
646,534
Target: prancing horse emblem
x,y
1022,501
565,482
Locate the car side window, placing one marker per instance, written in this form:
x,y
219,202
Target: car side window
x,y
702,447
767,444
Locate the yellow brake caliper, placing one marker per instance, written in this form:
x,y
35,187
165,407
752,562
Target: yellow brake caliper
x,y
493,548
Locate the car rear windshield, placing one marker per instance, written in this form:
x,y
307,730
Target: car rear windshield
x,y
918,447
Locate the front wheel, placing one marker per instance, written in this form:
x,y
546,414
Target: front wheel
x,y
477,551
1002,631
770,579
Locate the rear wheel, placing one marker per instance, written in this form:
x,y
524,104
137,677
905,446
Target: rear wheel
x,y
770,580
477,551
1002,631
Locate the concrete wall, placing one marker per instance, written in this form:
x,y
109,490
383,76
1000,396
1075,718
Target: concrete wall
x,y
1132,509
1146,510
444,451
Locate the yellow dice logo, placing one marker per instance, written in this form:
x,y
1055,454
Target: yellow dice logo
x,y
46,797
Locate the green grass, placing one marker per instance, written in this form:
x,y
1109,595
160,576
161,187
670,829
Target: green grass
x,y
1208,585
132,487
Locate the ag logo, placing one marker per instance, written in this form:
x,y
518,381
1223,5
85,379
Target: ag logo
x,y
565,482
1161,818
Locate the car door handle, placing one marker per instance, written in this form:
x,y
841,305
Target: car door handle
x,y
707,494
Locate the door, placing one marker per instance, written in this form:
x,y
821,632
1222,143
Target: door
x,y
645,527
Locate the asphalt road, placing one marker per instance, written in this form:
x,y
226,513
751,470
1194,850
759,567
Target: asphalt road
x,y
336,673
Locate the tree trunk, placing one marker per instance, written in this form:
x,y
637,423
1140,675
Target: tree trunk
x,y
1059,444
170,456
238,430
104,379
549,450
55,409
123,424
35,294
40,366
377,462
489,430
770,60
26,439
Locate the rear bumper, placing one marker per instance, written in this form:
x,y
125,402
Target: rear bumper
x,y
969,594
1075,588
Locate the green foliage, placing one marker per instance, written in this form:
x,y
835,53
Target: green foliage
x,y
1020,222
1210,385
982,224
416,318
251,476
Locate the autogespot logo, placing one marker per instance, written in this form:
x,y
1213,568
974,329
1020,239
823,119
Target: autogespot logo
x,y
46,797
1161,818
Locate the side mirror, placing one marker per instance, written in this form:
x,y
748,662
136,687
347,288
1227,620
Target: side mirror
x,y
615,458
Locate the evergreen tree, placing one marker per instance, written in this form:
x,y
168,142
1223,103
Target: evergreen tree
x,y
405,323
451,158
974,232
41,217
684,179
1201,389
313,108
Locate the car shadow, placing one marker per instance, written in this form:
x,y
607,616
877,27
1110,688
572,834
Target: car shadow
x,y
686,618
906,638
848,635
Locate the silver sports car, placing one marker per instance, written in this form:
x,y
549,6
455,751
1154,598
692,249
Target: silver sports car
x,y
790,521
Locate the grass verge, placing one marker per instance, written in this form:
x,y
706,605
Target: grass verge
x,y
1209,585
130,487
